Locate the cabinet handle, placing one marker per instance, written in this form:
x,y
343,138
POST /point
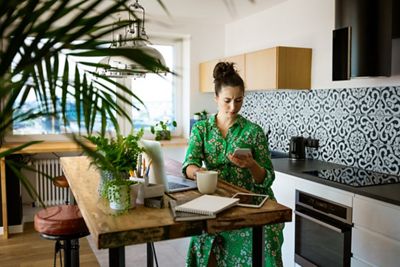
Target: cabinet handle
x,y
336,229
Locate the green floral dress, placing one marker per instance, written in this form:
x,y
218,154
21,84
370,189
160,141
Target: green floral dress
x,y
232,248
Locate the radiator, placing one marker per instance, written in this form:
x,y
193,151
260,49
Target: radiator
x,y
50,194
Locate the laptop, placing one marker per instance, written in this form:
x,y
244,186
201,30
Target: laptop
x,y
157,173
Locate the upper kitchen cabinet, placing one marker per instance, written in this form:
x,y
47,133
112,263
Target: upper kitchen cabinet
x,y
278,68
273,68
239,61
206,76
207,68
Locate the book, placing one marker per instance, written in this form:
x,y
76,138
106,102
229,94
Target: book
x,y
207,204
180,216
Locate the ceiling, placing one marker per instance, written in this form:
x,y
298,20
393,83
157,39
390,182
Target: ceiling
x,y
216,11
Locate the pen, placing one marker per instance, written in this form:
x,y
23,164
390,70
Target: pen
x,y
170,196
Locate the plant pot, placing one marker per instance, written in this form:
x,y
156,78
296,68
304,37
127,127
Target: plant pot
x,y
104,177
163,135
119,196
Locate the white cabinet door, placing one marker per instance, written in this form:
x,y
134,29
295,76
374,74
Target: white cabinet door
x,y
376,232
283,188
377,216
375,249
358,263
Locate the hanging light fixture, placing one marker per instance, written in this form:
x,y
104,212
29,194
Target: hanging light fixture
x,y
135,37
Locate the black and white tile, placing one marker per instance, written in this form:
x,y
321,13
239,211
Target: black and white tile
x,y
356,126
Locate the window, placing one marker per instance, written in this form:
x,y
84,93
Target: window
x,y
160,94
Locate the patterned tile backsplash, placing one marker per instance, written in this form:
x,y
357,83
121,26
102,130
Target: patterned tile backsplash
x,y
355,126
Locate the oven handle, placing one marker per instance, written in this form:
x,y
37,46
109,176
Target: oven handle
x,y
336,229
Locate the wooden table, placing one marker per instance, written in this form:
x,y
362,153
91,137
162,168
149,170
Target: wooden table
x,y
144,225
49,147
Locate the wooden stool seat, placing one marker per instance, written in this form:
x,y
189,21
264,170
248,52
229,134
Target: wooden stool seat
x,y
60,220
60,181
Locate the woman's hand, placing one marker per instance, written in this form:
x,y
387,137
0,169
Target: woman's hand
x,y
191,171
242,161
247,161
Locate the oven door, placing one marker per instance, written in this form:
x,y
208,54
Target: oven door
x,y
321,240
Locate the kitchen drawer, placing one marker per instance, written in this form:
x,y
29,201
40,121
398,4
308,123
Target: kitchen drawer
x,y
354,262
375,249
377,216
324,191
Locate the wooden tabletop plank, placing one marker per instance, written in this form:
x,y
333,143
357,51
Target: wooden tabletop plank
x,y
144,224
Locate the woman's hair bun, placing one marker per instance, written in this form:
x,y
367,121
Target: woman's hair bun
x,y
224,69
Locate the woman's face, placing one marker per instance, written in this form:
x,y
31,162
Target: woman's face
x,y
229,100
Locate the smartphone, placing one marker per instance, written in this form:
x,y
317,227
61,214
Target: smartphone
x,y
242,152
251,200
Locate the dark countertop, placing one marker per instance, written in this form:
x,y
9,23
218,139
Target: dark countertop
x,y
389,193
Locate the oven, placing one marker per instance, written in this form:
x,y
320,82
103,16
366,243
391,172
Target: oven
x,y
322,232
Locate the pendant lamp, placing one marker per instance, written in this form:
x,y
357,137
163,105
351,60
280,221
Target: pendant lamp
x,y
136,38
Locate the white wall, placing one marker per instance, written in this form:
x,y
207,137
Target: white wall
x,y
301,23
204,41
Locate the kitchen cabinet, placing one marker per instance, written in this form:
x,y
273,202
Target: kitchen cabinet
x,y
273,68
284,188
376,232
278,68
375,236
206,76
207,69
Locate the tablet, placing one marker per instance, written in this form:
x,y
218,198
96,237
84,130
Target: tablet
x,y
251,200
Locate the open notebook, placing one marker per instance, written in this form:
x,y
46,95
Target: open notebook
x,y
157,173
208,204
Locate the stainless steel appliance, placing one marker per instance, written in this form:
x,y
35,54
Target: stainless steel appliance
x,y
355,177
322,232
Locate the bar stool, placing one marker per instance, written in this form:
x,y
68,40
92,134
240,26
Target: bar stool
x,y
65,225
62,182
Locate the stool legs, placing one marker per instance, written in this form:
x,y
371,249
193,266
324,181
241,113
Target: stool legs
x,y
57,249
71,252
75,252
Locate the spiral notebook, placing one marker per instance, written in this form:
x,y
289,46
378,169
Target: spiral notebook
x,y
180,216
208,204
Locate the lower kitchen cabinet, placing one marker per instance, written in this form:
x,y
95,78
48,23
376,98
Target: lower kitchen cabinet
x,y
376,232
284,189
358,263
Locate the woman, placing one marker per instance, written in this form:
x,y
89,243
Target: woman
x,y
214,141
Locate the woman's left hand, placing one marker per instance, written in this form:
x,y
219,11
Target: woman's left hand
x,y
242,161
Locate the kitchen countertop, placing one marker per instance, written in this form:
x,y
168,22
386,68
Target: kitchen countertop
x,y
389,193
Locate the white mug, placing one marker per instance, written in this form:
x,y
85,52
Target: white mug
x,y
207,181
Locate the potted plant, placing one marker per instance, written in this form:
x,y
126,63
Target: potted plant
x,y
162,130
119,158
202,115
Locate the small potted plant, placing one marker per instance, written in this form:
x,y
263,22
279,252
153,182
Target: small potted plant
x,y
119,158
202,115
162,130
